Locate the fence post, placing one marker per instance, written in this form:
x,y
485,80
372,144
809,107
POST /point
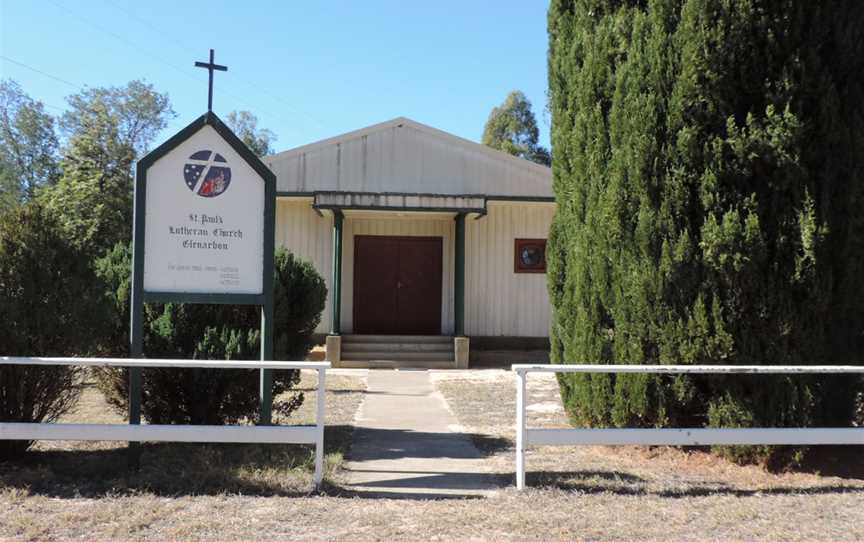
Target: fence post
x,y
520,428
319,421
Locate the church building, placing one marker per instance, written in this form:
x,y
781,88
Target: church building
x,y
430,244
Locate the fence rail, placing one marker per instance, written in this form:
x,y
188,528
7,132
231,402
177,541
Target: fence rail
x,y
260,434
674,437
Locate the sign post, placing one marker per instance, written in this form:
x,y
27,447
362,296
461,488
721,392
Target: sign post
x,y
203,233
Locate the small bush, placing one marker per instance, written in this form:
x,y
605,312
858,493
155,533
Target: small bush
x,y
186,331
51,304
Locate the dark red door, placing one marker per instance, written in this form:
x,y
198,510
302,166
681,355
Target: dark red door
x,y
397,285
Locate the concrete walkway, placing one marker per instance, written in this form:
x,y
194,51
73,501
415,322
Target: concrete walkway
x,y
407,443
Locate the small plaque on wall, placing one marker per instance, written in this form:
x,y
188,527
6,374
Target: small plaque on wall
x,y
530,256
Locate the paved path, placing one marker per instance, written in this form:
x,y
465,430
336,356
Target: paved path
x,y
408,444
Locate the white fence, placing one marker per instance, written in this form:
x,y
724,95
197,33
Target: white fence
x,y
672,437
257,434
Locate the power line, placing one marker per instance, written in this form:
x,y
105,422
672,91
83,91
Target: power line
x,y
140,49
188,48
123,39
46,74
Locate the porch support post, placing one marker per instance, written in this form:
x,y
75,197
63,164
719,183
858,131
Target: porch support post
x,y
459,272
336,293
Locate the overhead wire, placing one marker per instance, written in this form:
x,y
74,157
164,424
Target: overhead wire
x,y
188,48
138,48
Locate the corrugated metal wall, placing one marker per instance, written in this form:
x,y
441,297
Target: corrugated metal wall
x,y
499,302
306,234
403,156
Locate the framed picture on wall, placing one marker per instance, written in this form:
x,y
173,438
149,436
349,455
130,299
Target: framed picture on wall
x,y
530,256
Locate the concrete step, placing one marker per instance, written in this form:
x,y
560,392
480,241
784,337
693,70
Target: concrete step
x,y
388,364
395,347
347,339
400,356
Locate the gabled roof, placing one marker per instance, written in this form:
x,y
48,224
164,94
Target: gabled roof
x,y
403,156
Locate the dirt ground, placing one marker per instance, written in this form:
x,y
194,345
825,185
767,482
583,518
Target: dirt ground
x,y
69,490
667,481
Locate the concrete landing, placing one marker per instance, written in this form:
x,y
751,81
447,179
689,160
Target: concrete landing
x,y
407,443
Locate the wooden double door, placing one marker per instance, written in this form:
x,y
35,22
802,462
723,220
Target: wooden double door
x,y
397,285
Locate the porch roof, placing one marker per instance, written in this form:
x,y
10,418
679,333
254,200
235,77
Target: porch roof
x,y
399,202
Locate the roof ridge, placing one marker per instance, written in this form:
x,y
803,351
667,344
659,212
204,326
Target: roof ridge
x,y
398,121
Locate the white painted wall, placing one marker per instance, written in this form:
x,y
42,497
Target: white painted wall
x,y
306,234
499,302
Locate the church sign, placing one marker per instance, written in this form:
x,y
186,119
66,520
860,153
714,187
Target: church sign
x,y
204,218
204,211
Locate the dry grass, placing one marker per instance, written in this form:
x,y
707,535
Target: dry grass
x,y
661,479
95,469
533,515
587,494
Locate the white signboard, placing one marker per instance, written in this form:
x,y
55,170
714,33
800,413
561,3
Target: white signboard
x,y
204,214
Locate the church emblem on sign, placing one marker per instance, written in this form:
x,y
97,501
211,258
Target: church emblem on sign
x,y
207,174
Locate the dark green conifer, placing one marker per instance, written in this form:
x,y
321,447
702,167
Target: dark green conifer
x,y
709,173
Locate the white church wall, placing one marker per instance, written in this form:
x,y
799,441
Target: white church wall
x,y
499,302
309,236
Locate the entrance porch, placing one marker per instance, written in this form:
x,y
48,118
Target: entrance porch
x,y
431,266
397,287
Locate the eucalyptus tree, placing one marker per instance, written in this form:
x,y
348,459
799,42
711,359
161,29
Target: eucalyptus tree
x,y
512,128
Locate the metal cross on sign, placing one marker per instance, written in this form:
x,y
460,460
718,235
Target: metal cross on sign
x,y
210,66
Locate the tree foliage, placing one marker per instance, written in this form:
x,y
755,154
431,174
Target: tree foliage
x,y
709,176
183,331
512,128
28,144
245,125
51,304
108,129
10,190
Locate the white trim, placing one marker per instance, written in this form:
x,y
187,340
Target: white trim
x,y
173,363
697,437
249,434
690,369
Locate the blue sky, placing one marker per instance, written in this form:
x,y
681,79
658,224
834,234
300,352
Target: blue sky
x,y
308,70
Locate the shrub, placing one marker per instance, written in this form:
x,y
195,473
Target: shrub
x,y
709,174
187,331
51,304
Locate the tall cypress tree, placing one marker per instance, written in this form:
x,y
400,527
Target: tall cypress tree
x,y
709,174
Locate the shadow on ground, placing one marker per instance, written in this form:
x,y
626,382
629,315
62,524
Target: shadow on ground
x,y
840,461
172,469
618,483
420,444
